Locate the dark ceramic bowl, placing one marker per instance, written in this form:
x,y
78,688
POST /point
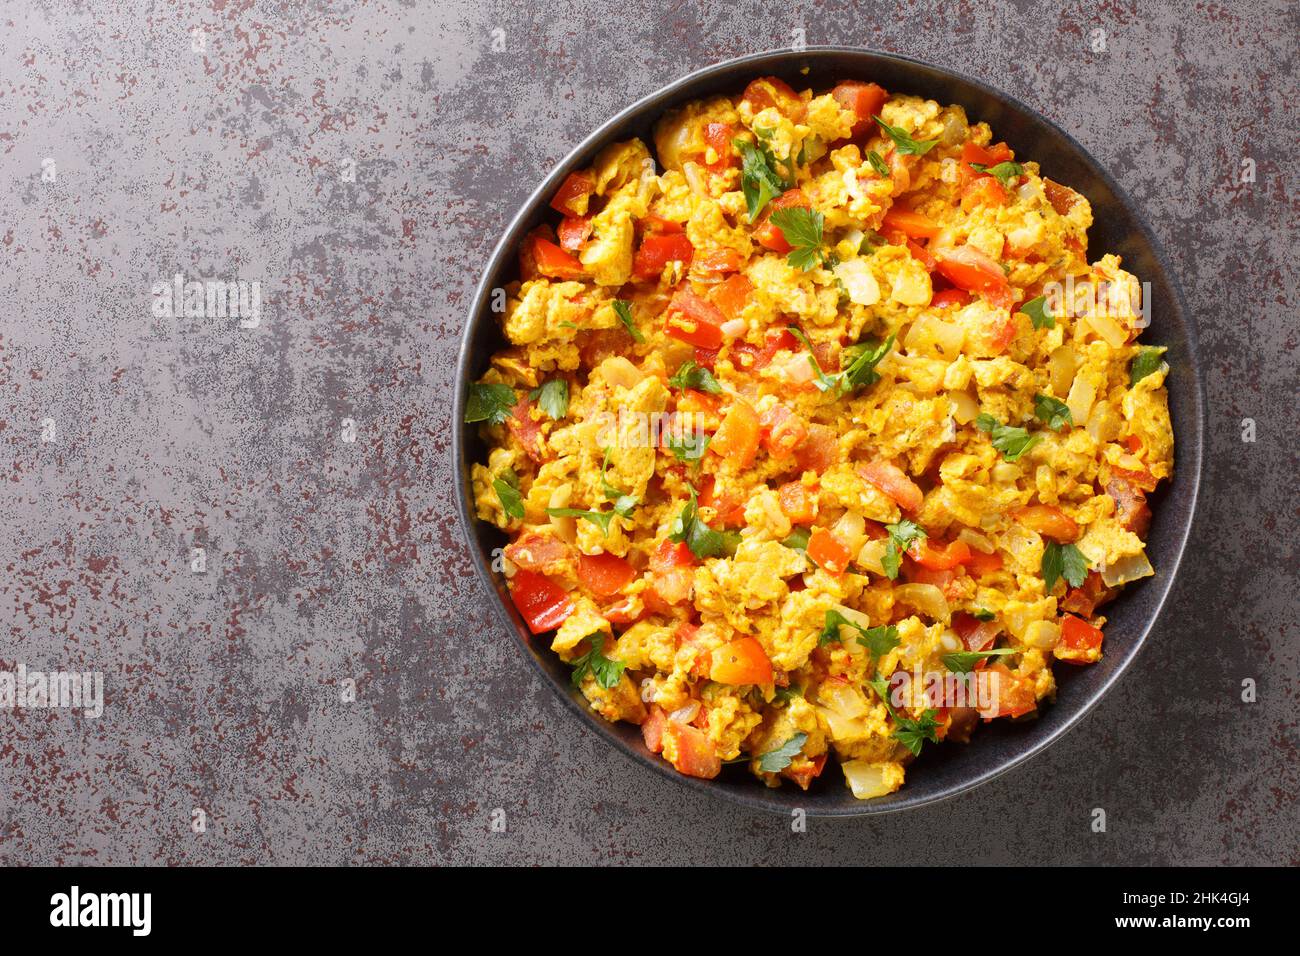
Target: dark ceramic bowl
x,y
941,771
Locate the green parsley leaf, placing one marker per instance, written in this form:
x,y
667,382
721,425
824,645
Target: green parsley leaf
x,y
690,375
863,359
802,229
980,614
605,670
600,519
903,142
963,662
507,489
797,539
1004,172
1053,411
490,403
690,447
552,397
1147,362
878,164
787,694
901,535
758,178
623,503
1012,441
623,310
702,540
878,640
1063,561
912,734
1036,309
774,761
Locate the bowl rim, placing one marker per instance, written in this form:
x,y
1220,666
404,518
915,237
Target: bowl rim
x,y
1190,461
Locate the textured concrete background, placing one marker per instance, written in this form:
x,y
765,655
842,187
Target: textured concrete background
x,y
227,153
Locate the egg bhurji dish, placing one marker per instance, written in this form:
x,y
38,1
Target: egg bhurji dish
x,y
821,397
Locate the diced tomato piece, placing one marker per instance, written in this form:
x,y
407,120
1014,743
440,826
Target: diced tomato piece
x,y
694,320
732,295
719,261
742,661
1130,506
1015,694
949,297
922,255
573,195
891,480
652,225
864,99
782,430
982,191
543,603
947,580
820,451
798,502
980,563
1078,635
1049,521
537,552
936,557
974,153
771,91
719,136
968,268
1005,328
749,358
657,251
805,775
828,552
911,224
1086,598
554,262
574,231
768,235
522,425
706,357
690,751
670,555
604,574
737,437
977,635
652,728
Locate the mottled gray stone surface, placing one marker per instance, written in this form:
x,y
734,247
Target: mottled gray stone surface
x,y
330,560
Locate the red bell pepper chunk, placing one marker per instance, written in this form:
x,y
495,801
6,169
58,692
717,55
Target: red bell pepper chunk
x,y
864,99
543,604
929,554
604,574
554,262
738,436
732,296
949,297
574,231
742,661
719,136
909,223
766,233
720,261
771,91
657,251
694,320
828,552
1078,635
572,196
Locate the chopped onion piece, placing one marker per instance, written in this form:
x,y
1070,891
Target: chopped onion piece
x,y
684,715
1131,568
868,780
926,598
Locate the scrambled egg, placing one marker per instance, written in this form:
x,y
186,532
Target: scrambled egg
x,y
818,434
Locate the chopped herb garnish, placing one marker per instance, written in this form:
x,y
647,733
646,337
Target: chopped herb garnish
x,y
912,734
1036,309
600,519
1003,172
963,662
605,670
702,540
878,640
623,310
552,398
1147,362
903,142
787,694
690,447
691,375
823,381
623,503
802,229
1011,440
901,535
1063,561
877,163
861,371
774,761
981,614
1053,411
507,489
759,180
489,403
